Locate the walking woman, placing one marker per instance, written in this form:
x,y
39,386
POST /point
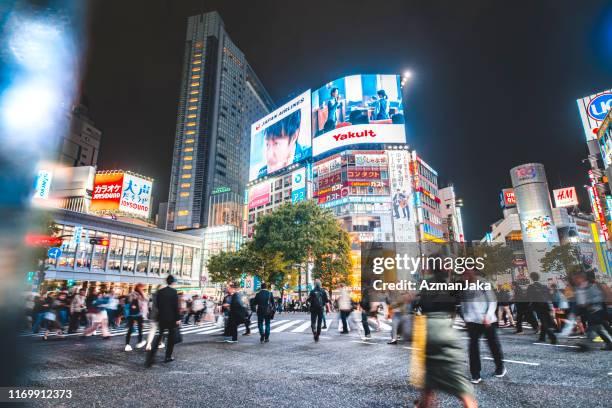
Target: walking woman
x,y
438,362
137,309
52,318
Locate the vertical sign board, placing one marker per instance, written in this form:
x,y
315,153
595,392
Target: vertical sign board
x,y
42,186
402,208
136,195
298,185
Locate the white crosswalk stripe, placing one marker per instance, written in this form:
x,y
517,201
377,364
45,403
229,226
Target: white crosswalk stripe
x,y
282,327
301,328
210,328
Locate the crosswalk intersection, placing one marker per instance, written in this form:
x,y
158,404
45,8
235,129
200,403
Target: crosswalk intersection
x,y
277,325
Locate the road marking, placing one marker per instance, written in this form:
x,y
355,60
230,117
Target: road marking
x,y
362,341
556,345
515,361
282,327
301,328
411,348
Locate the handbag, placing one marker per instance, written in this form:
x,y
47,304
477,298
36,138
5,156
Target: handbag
x,y
178,336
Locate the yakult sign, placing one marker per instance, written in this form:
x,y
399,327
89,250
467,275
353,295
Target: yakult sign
x,y
358,134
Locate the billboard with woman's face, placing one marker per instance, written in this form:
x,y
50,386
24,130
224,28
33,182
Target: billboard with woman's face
x,y
357,109
281,138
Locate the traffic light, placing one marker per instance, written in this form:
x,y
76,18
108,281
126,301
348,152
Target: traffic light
x,y
100,241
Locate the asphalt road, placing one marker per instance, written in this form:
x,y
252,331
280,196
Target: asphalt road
x,y
294,371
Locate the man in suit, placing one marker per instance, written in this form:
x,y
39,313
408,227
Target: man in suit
x,y
168,318
265,306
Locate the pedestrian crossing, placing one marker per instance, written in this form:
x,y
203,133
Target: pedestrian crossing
x,y
276,326
210,328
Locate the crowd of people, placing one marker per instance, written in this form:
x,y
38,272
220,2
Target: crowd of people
x,y
581,309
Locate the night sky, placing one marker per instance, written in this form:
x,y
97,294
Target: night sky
x,y
494,85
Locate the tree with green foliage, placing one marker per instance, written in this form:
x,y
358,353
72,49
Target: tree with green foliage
x,y
333,264
498,258
563,259
229,266
304,233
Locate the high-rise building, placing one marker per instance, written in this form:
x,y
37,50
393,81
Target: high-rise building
x,y
450,212
220,97
81,144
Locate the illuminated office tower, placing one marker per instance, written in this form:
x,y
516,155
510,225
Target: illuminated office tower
x,y
220,96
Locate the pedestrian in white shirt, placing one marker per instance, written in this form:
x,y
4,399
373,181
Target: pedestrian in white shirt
x,y
479,313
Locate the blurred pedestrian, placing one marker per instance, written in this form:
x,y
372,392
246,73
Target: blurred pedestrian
x,y
169,319
78,311
318,300
237,313
437,361
153,322
590,297
539,296
96,315
137,310
345,307
265,308
479,313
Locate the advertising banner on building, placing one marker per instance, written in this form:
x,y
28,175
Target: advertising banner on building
x,y
565,197
136,195
357,109
259,194
42,185
298,185
281,138
358,134
122,191
507,198
593,110
403,209
107,191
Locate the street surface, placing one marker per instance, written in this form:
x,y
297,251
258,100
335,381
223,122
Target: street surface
x,y
294,371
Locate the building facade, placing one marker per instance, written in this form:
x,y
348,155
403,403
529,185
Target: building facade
x,y
220,96
134,254
81,144
450,212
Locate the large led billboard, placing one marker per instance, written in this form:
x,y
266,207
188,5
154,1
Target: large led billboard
x,y
357,109
122,191
281,138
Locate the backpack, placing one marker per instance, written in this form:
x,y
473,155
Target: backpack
x,y
241,313
271,307
317,299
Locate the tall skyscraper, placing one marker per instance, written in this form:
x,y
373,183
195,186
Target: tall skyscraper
x,y
220,97
81,144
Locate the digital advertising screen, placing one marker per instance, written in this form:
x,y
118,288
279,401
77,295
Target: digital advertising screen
x,y
281,138
357,109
